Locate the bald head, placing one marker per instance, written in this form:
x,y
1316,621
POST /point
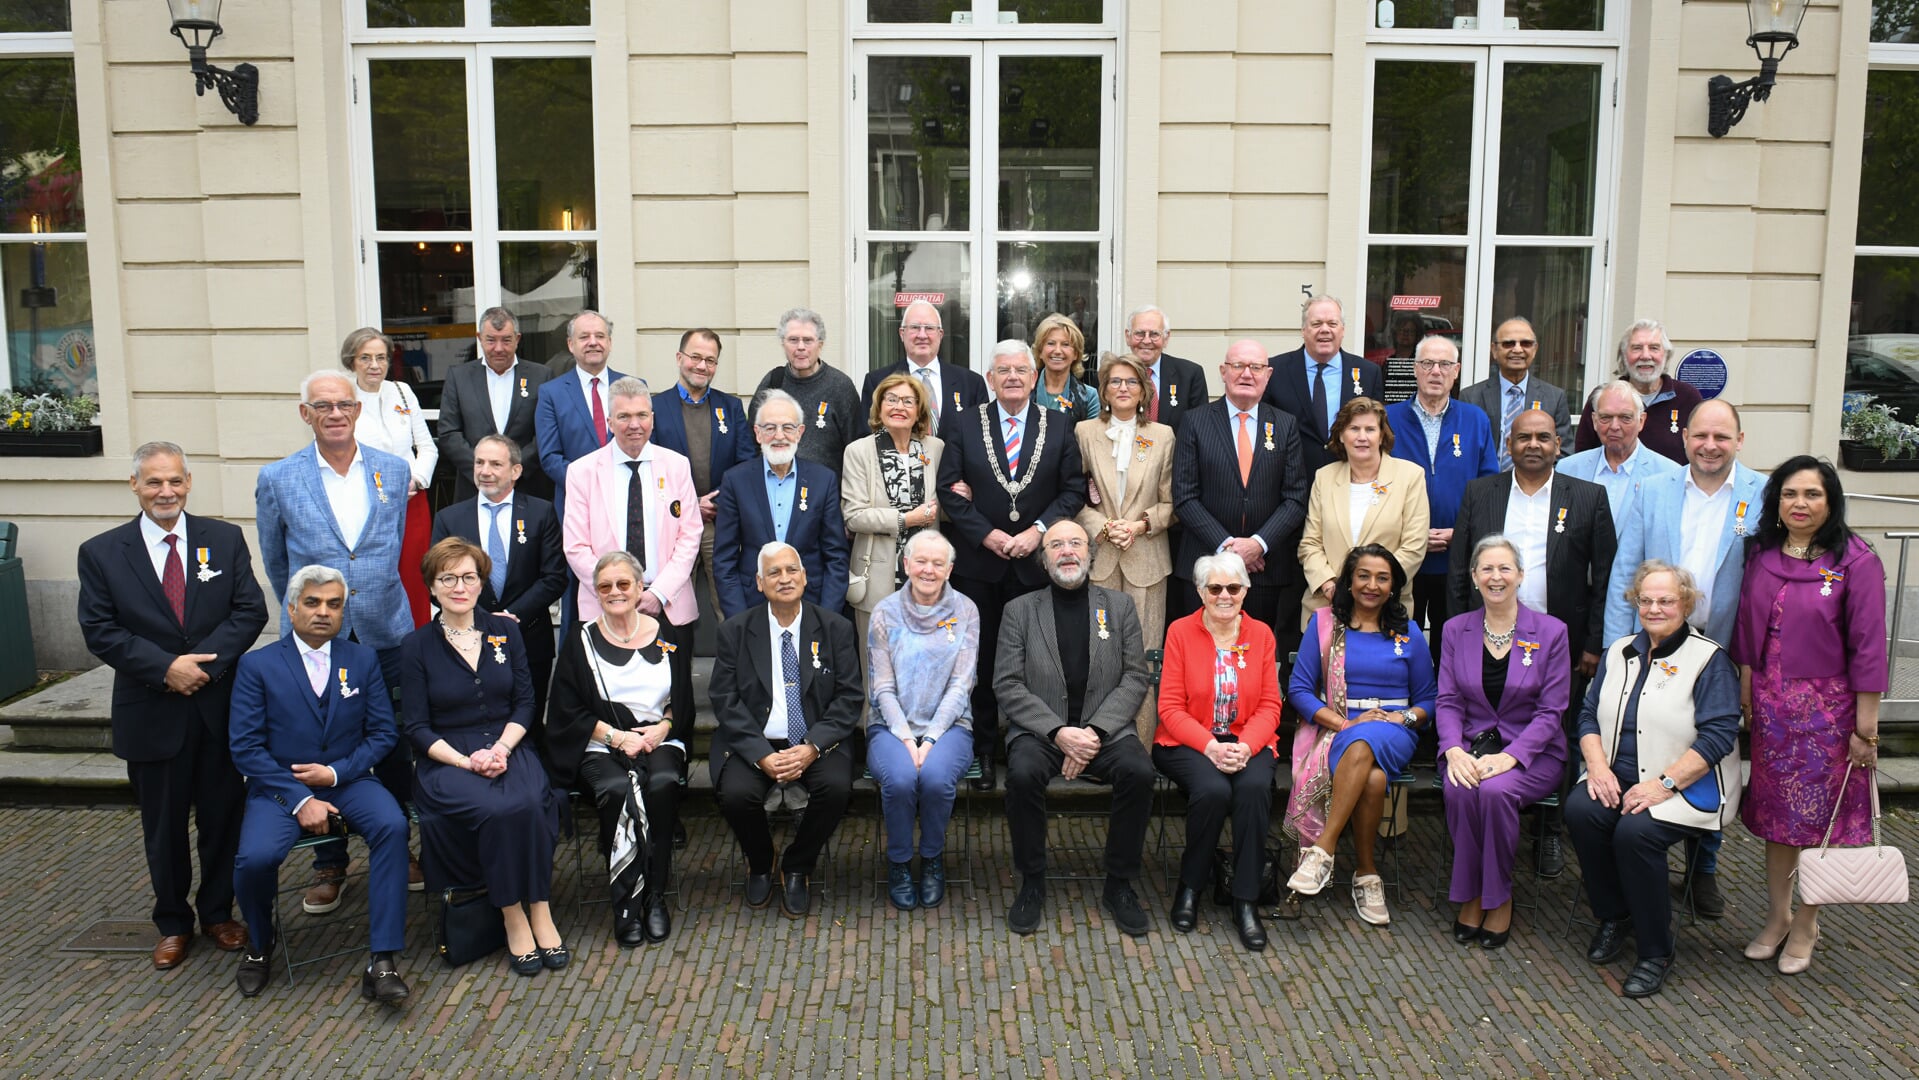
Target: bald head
x,y
1244,373
1064,549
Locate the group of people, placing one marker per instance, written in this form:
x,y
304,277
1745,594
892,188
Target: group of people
x,y
942,575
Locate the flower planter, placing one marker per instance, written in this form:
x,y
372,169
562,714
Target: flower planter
x,y
82,443
1863,457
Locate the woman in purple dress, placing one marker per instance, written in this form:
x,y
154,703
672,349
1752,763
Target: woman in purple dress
x,y
1813,706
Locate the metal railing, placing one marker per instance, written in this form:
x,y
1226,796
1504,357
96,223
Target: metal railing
x,y
1898,599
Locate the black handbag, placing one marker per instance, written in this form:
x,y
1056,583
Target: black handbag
x,y
1487,743
1269,891
470,927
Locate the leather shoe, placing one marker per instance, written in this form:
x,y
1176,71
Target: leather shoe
x,y
1490,941
1707,901
984,781
254,973
415,877
796,899
1185,913
627,929
170,951
1608,941
1252,932
759,888
900,887
529,964
324,894
229,936
932,881
1023,916
1550,856
555,958
679,835
1123,903
1464,934
382,982
659,921
1648,976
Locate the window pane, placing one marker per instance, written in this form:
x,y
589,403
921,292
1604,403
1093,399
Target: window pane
x,y
545,284
1888,182
542,12
915,11
903,271
1550,287
1054,11
1882,356
1411,292
409,13
1037,280
39,148
49,316
1433,14
1893,22
919,139
426,303
1558,14
543,113
420,176
1422,147
36,16
1049,143
1548,149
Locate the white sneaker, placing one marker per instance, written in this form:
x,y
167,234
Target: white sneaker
x,y
1315,870
1369,899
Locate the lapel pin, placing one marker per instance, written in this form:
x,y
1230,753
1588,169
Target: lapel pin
x,y
206,574
821,422
1830,576
816,656
1527,647
1560,526
719,414
1104,634
1269,435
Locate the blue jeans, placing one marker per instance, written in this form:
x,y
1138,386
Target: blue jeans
x,y
924,795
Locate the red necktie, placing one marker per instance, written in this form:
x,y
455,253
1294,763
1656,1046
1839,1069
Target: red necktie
x,y
173,580
599,414
1245,451
1152,407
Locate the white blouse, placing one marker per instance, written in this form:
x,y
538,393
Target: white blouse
x,y
392,420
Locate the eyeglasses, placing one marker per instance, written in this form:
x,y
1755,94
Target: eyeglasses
x,y
613,586
447,581
1655,603
1003,372
324,407
1435,365
906,400
1230,589
1147,335
1123,384
1609,419
798,341
1516,343
780,429
702,361
923,328
1066,544
1243,365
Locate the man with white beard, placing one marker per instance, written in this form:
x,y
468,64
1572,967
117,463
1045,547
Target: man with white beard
x,y
779,497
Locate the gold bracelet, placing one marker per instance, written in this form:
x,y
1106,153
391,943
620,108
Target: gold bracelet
x,y
1869,740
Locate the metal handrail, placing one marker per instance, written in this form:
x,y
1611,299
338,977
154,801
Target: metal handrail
x,y
1901,499
1898,603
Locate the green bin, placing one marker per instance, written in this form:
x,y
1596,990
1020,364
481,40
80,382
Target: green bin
x,y
16,629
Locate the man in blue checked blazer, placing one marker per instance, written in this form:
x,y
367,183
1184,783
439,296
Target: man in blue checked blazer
x,y
779,497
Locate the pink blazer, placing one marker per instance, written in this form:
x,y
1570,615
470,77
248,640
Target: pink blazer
x,y
592,528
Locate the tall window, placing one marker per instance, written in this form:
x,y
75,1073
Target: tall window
x,y
46,296
985,165
476,173
1882,355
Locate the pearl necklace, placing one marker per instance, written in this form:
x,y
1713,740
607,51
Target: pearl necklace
x,y
607,629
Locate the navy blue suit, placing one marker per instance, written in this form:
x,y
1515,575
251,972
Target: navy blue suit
x,y
563,426
961,390
744,523
731,446
277,722
535,575
1289,391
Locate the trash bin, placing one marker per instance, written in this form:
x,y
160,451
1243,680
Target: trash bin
x,y
16,630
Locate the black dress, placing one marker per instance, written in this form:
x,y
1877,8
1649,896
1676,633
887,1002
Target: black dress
x,y
496,832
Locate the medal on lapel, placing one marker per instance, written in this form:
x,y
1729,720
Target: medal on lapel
x,y
1399,645
205,574
1172,394
667,648
1739,520
1535,403
1526,647
1824,590
1358,391
1239,655
1103,632
1675,422
947,624
522,386
1560,525
821,422
520,528
1379,492
345,690
1455,444
401,408
956,401
1269,435
816,656
719,414
802,496
1143,445
498,641
1666,672
379,486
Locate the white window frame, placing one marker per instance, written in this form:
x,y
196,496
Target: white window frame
x,y
1496,33
985,24
1888,56
54,45
478,28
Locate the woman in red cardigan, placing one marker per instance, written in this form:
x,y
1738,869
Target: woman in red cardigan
x,y
1218,722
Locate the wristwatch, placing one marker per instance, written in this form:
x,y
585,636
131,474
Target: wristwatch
x,y
1668,783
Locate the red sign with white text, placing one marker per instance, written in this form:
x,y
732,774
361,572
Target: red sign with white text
x,y
906,299
1413,303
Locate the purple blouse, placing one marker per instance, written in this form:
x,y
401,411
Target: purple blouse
x,y
1835,607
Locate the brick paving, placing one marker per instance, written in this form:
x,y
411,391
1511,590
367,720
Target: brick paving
x,y
862,990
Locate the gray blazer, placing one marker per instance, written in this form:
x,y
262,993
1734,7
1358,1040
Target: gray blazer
x,y
1485,394
1031,684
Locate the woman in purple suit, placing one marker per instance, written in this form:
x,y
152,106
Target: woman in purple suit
x,y
1504,679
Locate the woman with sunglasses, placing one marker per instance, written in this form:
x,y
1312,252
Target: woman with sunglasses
x,y
1218,722
612,733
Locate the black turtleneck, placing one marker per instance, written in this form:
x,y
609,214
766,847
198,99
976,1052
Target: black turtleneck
x,y
1075,644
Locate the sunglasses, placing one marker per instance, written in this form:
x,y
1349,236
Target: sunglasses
x,y
1233,589
621,585
1516,343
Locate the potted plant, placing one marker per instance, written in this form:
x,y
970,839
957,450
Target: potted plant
x,y
42,422
1872,438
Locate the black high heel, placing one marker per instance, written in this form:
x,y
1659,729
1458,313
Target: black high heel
x,y
1464,934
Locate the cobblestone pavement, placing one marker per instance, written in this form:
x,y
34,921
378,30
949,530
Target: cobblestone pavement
x,y
862,990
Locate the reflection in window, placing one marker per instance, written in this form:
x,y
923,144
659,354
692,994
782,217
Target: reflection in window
x,y
1422,148
420,176
543,114
1548,149
904,271
1049,143
1433,14
542,12
39,148
1041,279
426,304
545,284
1412,292
1895,22
919,137
35,17
1055,11
1558,14
48,300
915,11
415,13
1549,287
1888,181
1882,352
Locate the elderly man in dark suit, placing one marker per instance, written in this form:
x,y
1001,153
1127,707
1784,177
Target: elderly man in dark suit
x,y
1011,470
521,534
1240,485
787,690
1513,388
1562,529
1312,382
1179,385
494,395
172,636
1070,673
954,389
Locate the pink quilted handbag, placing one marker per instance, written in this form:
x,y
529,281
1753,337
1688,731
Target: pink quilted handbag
x,y
1853,875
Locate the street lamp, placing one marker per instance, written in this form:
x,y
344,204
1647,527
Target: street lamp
x,y
196,23
1774,26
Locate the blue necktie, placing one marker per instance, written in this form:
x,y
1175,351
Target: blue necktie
x,y
1513,401
496,550
790,671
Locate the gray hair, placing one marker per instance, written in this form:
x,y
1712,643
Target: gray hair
x,y
1487,543
306,384
513,453
774,395
772,548
1227,563
583,313
806,315
1321,298
908,313
499,318
1625,389
151,450
1165,324
1682,577
350,348
1014,347
1641,326
929,536
1419,350
629,386
309,576
617,556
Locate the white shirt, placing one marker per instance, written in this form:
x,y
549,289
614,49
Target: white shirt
x,y
347,496
587,395
776,727
617,482
392,420
1528,517
499,392
156,539
640,685
505,525
1359,499
1700,530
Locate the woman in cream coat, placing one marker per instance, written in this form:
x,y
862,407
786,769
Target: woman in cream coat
x,y
1129,492
1366,496
887,492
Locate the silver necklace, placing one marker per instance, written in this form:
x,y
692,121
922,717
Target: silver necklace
x,y
1500,641
454,635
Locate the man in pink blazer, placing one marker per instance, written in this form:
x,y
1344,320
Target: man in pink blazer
x,y
633,496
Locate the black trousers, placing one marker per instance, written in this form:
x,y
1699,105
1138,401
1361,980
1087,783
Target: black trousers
x,y
991,597
1623,858
1031,762
201,779
742,794
662,776
1431,608
1211,796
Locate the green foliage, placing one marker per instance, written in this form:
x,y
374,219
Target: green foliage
x,y
39,410
1878,426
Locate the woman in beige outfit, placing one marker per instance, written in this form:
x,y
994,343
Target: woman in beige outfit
x,y
1365,496
887,492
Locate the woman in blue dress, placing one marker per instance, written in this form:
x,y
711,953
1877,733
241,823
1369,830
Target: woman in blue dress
x,y
487,814
1366,689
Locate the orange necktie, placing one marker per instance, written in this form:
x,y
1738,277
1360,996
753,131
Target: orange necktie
x,y
1245,452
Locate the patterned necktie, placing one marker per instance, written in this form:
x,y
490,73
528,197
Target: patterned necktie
x,y
1245,451
496,550
1152,407
316,672
599,415
636,515
1012,446
1320,412
1506,415
173,580
790,671
925,376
